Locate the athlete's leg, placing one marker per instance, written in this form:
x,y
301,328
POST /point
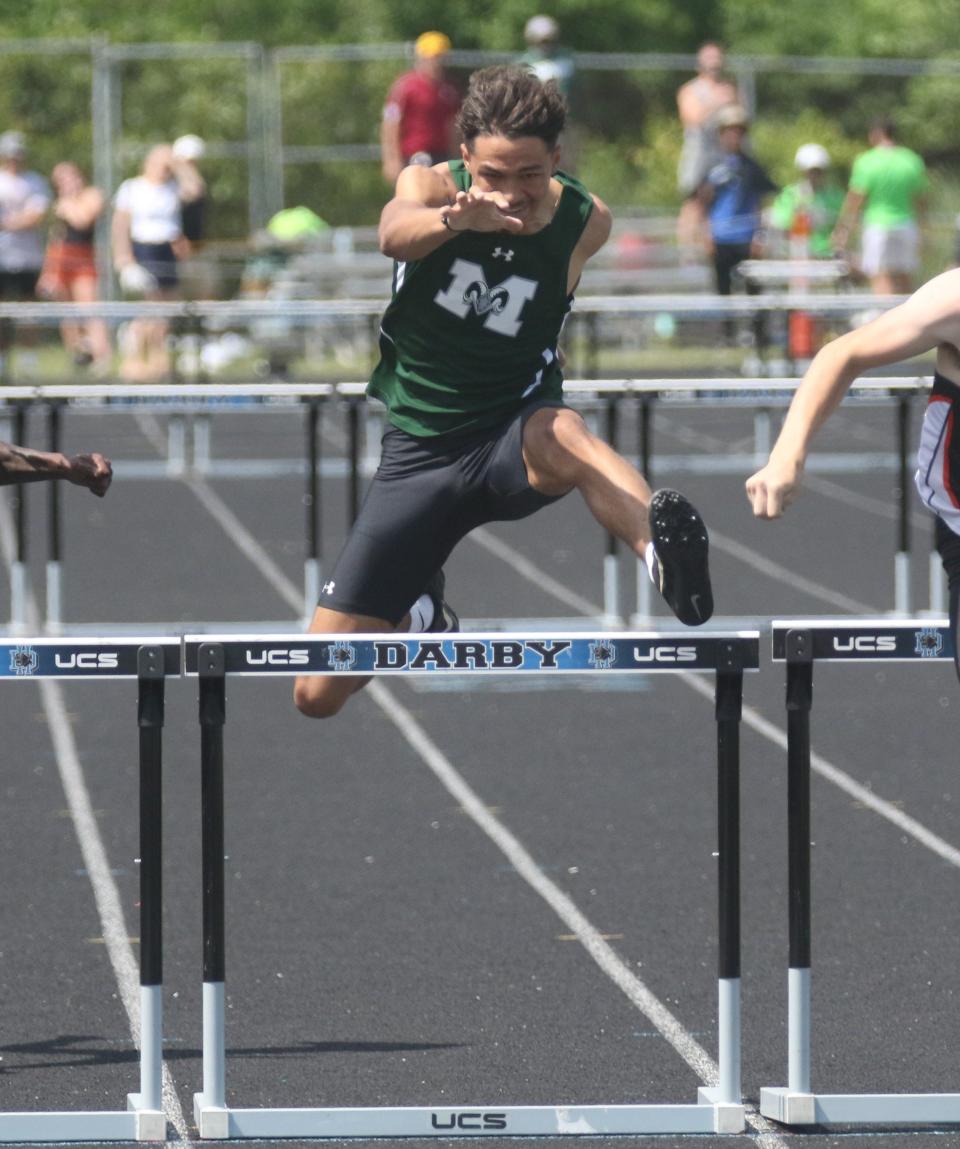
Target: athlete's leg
x,y
411,518
561,454
324,695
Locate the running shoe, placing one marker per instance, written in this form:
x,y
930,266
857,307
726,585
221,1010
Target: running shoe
x,y
444,616
680,545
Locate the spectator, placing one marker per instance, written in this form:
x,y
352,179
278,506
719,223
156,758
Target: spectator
x,y
698,102
419,116
811,206
70,266
732,196
551,61
888,186
545,55
194,195
24,201
197,271
147,236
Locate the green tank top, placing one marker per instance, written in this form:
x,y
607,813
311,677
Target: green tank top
x,y
471,330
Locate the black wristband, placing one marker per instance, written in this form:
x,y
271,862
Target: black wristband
x,y
445,220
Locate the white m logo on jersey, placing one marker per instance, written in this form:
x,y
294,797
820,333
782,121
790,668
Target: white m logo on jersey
x,y
500,305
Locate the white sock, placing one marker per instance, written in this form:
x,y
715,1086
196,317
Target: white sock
x,y
421,614
650,558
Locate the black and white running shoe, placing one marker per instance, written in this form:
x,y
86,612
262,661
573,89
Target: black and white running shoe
x,y
680,568
444,616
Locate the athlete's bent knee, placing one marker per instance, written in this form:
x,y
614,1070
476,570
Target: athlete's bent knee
x,y
317,697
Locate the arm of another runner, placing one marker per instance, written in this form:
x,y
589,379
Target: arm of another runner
x,y
23,465
929,318
412,223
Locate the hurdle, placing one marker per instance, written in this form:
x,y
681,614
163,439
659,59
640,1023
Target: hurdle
x,y
212,659
801,644
150,661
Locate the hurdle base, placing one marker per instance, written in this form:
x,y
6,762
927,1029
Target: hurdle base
x,y
860,1108
788,1108
215,1122
141,1125
151,1123
212,1121
729,1116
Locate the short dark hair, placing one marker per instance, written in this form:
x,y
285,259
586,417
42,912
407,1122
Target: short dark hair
x,y
885,125
509,100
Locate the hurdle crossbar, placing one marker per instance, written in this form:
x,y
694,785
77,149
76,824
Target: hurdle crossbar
x,y
213,658
150,661
800,644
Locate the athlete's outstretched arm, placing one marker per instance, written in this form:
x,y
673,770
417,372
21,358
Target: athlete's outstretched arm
x,y
411,224
930,316
24,465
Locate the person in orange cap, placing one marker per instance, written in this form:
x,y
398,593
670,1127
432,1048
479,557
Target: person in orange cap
x,y
420,112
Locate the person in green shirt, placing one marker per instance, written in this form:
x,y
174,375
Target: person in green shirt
x,y
810,207
888,186
488,251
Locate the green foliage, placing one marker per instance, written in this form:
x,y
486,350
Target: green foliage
x,y
627,134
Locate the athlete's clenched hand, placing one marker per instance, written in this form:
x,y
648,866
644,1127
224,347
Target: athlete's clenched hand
x,y
773,488
476,210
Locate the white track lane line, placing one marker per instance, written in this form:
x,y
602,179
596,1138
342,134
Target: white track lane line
x,y
784,576
105,891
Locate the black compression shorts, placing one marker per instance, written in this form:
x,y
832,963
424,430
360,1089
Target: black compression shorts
x,y
426,495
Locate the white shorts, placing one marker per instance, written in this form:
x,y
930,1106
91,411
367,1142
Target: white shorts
x,y
891,249
938,460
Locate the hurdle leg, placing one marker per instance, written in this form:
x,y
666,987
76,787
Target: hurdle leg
x,y
901,562
150,711
210,1111
796,1104
729,706
18,568
54,601
611,558
312,570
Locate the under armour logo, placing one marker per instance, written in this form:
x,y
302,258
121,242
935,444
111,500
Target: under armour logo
x,y
328,587
499,253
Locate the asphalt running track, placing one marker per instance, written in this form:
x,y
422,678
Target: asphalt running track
x,y
381,947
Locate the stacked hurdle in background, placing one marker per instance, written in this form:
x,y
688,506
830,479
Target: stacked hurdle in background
x,y
213,659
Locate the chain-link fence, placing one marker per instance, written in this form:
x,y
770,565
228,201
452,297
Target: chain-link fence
x,y
299,125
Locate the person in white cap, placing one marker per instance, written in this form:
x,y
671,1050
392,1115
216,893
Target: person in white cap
x,y
419,115
194,196
545,55
814,197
